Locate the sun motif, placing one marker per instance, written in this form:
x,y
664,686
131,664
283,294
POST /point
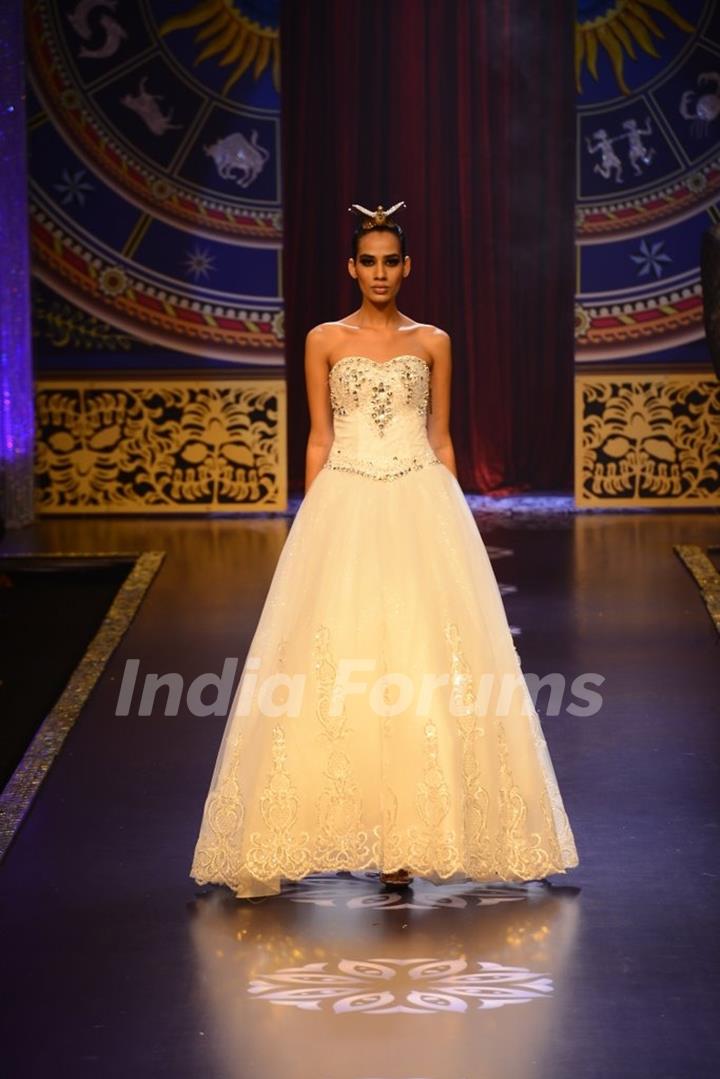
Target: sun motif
x,y
231,36
616,28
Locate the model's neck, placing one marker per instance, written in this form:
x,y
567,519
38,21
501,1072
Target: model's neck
x,y
372,316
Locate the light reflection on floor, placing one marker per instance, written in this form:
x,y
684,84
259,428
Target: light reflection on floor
x,y
330,979
115,965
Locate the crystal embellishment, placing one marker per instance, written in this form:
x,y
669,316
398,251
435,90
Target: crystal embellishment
x,y
380,416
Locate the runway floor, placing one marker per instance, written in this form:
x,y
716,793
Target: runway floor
x,y
116,964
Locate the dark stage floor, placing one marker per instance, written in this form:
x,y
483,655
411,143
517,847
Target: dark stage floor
x,y
116,964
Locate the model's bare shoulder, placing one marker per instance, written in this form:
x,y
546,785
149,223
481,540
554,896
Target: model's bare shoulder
x,y
324,331
434,333
320,341
427,332
436,341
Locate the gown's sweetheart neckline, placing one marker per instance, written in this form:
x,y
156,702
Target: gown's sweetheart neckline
x,y
380,363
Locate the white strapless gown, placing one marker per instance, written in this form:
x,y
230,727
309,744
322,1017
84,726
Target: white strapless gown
x,y
417,759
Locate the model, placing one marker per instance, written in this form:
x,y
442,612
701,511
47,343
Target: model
x,y
382,721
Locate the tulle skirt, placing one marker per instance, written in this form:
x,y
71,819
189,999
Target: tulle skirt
x,y
382,720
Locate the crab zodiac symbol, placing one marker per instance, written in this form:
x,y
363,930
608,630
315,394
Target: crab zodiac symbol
x,y
705,109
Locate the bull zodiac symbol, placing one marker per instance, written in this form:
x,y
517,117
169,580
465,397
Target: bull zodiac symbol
x,y
237,158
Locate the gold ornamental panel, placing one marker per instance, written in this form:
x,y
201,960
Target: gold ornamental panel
x,y
647,439
166,445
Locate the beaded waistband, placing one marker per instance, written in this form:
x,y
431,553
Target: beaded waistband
x,y
390,470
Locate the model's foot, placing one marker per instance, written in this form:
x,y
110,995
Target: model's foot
x,y
400,878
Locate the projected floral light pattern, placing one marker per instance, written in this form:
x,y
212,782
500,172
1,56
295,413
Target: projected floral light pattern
x,y
401,986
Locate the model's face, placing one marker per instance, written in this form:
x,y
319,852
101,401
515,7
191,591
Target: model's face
x,y
379,268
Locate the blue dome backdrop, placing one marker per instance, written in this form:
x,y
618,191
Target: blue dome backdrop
x,y
648,176
156,200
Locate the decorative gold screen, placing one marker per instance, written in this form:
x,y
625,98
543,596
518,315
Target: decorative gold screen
x,y
164,445
650,439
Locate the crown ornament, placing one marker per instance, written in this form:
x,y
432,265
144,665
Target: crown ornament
x,y
373,218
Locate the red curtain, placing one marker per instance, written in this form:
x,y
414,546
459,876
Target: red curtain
x,y
466,110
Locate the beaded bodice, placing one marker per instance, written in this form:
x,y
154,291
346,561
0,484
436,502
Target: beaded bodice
x,y
380,416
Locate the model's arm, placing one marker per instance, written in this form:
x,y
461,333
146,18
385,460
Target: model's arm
x,y
439,411
318,394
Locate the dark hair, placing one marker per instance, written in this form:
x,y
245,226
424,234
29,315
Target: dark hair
x,y
360,231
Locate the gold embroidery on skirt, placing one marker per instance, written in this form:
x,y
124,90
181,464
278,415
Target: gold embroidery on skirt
x,y
560,827
222,825
430,849
519,850
276,852
495,841
476,798
340,841
555,853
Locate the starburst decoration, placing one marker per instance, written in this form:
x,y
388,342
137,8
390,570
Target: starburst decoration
x,y
651,258
73,187
199,263
616,28
234,38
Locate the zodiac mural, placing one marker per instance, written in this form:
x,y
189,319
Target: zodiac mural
x,y
647,422
155,184
648,173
